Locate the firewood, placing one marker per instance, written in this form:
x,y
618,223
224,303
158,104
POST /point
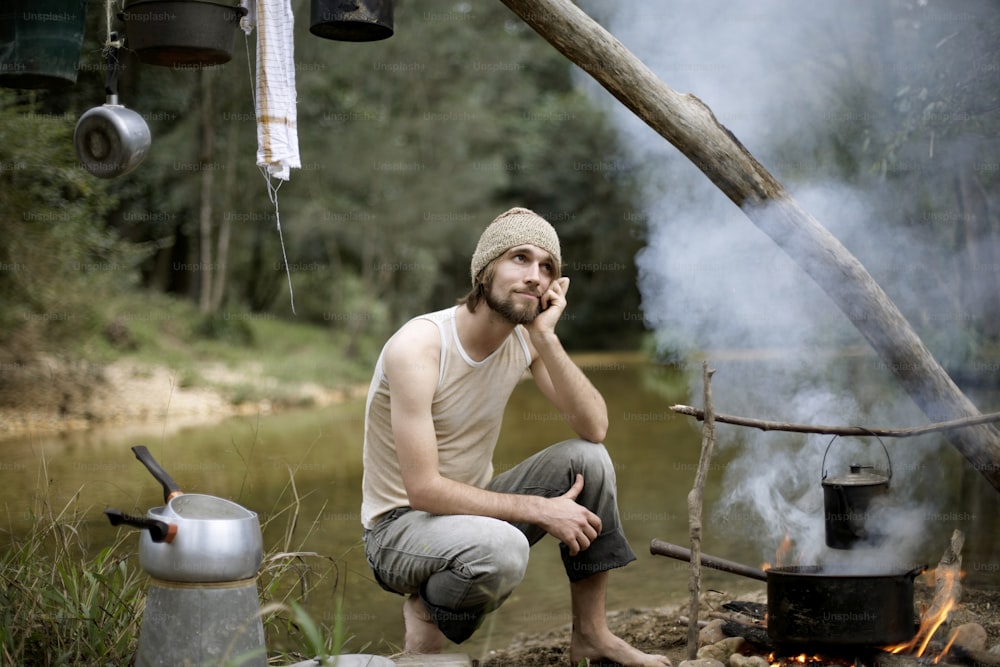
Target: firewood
x,y
973,657
882,659
754,610
756,635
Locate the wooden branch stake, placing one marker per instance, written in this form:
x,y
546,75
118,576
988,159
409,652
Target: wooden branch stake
x,y
695,501
839,430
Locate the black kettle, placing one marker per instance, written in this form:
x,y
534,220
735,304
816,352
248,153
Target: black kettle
x,y
847,499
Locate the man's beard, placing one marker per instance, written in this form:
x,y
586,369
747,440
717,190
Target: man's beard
x,y
506,309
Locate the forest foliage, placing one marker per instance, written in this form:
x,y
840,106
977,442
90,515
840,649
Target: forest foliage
x,y
409,146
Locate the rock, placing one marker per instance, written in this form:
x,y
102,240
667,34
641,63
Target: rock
x,y
711,633
702,662
740,660
971,636
722,650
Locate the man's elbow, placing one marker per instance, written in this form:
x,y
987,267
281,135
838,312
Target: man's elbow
x,y
421,496
596,432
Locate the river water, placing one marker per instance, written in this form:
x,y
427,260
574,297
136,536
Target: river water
x,y
252,460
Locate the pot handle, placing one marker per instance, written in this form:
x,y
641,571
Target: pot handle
x,y
887,458
170,487
159,531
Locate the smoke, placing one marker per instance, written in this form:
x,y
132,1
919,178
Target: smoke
x,y
713,284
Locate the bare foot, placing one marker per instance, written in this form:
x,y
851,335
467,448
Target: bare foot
x,y
422,636
610,647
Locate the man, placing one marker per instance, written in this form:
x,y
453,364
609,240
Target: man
x,y
439,528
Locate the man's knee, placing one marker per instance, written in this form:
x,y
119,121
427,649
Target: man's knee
x,y
587,456
502,558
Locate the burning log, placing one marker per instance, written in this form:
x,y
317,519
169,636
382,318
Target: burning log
x,y
973,657
755,635
882,659
947,592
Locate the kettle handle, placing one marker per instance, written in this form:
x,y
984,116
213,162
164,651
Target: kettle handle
x,y
159,531
170,487
887,458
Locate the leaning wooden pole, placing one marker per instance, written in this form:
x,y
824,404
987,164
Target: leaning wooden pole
x,y
695,502
691,127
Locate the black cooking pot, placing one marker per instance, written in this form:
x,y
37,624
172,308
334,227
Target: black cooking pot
x,y
809,607
848,500
182,33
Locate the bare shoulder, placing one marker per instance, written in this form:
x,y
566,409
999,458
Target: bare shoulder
x,y
414,350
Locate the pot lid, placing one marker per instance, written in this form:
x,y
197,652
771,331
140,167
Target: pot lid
x,y
858,476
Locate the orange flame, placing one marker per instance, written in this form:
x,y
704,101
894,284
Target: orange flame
x,y
781,554
783,551
945,600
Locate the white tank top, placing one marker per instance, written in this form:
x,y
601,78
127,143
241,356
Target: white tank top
x,y
467,408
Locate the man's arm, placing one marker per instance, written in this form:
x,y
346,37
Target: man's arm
x,y
558,377
411,364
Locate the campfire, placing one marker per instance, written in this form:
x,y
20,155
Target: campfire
x,y
847,611
737,633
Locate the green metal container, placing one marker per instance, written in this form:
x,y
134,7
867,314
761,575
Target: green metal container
x,y
40,42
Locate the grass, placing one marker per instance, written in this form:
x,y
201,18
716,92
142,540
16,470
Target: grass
x,y
270,358
63,604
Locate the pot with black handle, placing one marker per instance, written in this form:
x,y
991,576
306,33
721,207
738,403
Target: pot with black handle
x,y
213,539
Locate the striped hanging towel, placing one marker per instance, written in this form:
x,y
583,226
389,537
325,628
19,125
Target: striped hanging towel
x,y
274,91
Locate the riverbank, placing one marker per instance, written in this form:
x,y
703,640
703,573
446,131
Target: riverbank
x,y
51,396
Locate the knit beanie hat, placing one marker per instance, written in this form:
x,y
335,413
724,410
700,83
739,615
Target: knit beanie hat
x,y
515,227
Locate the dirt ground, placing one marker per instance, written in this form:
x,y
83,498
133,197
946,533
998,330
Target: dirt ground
x,y
657,630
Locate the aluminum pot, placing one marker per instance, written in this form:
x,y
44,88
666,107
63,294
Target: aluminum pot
x,y
111,140
194,537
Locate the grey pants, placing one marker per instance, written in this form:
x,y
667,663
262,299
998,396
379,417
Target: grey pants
x,y
464,566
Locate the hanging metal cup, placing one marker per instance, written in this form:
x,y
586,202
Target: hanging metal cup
x,y
111,140
351,20
847,499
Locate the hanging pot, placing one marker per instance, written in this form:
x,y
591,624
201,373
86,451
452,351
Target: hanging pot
x,y
181,33
847,499
351,20
194,537
111,140
40,42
